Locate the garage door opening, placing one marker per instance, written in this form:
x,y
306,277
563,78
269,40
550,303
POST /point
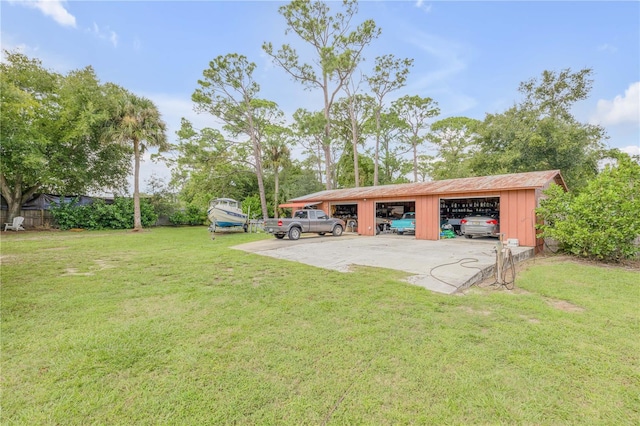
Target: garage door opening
x,y
388,211
453,210
348,213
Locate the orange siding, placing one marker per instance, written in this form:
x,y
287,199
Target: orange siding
x,y
422,218
366,217
517,216
428,217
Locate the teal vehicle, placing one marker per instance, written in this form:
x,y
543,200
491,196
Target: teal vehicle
x,y
406,224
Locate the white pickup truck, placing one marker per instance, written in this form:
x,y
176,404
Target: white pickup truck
x,y
304,221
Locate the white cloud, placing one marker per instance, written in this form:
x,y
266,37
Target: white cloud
x,y
622,109
425,7
52,8
606,47
631,149
104,34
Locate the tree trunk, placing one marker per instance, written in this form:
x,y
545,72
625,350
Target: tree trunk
x,y
376,158
415,162
319,155
15,197
354,142
137,217
326,143
326,147
257,153
277,188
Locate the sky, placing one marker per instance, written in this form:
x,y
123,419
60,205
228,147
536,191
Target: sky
x,y
469,56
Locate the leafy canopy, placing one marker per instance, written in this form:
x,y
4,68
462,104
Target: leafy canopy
x,y
601,222
540,133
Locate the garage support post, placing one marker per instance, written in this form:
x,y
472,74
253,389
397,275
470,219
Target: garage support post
x,y
499,260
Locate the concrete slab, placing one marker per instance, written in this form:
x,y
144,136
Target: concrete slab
x,y
444,266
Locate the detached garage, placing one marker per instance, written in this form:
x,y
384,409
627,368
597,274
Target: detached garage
x,y
512,197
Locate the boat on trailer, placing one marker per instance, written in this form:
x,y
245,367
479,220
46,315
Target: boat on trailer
x,y
226,213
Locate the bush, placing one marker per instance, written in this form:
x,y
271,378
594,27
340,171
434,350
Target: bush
x,y
100,215
602,221
192,215
251,205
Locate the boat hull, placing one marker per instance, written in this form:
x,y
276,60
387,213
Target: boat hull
x,y
226,219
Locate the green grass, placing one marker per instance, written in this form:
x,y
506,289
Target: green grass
x,y
170,327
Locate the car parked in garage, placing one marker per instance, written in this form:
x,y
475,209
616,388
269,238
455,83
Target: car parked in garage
x,y
480,225
406,224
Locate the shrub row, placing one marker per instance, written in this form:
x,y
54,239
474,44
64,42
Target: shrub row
x,y
100,215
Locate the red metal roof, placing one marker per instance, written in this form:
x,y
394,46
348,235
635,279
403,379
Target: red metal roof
x,y
514,181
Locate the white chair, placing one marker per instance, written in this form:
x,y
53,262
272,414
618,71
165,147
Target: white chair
x,y
16,225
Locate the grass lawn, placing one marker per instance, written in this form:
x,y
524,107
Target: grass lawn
x,y
170,327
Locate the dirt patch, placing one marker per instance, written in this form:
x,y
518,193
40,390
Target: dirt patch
x,y
73,271
563,305
530,319
100,265
470,310
490,284
103,264
9,259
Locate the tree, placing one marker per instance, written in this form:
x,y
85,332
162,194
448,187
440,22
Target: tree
x,y
229,92
309,129
338,51
540,132
137,122
392,153
277,156
300,180
351,117
601,222
389,74
415,111
208,165
51,137
454,138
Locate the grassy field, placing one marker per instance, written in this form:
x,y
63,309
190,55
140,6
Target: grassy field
x,y
170,327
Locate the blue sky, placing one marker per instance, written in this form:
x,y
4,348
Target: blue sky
x,y
469,56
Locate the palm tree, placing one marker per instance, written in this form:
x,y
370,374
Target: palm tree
x,y
278,156
137,121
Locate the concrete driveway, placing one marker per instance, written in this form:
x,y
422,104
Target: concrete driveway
x,y
444,266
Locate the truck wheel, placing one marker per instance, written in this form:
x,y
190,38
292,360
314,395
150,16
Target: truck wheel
x,y
337,231
294,233
279,236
